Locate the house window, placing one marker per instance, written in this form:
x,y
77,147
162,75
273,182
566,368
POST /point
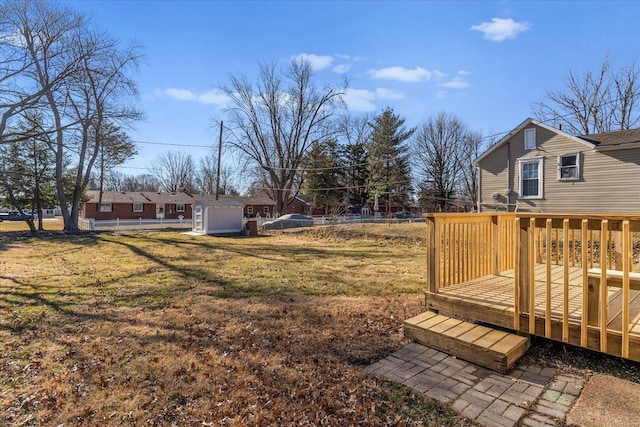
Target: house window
x,y
106,207
531,178
265,210
138,207
530,139
569,167
179,207
249,210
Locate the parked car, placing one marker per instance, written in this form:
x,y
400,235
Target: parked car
x,y
15,216
289,221
404,215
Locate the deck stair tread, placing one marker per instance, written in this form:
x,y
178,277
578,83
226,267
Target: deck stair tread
x,y
482,345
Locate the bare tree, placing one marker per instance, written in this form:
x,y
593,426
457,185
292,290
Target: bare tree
x,y
174,171
142,182
97,96
31,44
471,149
206,174
597,102
275,121
440,154
626,91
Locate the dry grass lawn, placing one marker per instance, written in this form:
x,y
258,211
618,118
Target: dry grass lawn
x,y
164,328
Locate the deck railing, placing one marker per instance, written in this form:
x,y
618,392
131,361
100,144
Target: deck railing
x,y
589,255
466,246
604,247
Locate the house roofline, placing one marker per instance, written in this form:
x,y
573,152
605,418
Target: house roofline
x,y
521,126
616,147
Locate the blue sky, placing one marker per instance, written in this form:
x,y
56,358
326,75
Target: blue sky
x,y
484,61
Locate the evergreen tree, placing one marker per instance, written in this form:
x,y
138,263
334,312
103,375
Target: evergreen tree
x,y
322,186
27,178
389,166
355,173
116,148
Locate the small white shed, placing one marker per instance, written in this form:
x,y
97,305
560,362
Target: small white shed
x,y
217,216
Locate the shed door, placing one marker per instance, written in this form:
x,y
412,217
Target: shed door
x,y
197,219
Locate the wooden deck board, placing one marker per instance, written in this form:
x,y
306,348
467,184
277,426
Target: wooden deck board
x,y
490,339
459,329
420,317
445,326
507,343
474,334
432,321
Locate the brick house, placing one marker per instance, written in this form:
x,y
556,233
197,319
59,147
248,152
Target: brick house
x,y
135,205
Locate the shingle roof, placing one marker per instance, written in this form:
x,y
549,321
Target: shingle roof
x,y
221,202
139,197
246,200
614,138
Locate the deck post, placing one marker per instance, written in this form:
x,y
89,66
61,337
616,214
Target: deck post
x,y
495,225
523,265
432,286
593,308
616,246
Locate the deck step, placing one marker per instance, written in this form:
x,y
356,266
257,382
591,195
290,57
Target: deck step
x,y
484,346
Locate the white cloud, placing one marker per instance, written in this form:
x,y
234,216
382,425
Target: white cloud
x,y
388,94
464,73
501,29
441,94
360,100
349,57
402,74
438,75
213,96
456,83
363,100
341,69
318,62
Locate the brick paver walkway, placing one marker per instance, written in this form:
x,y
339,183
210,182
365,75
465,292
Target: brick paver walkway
x,y
529,395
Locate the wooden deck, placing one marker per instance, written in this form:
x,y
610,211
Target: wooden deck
x,y
490,299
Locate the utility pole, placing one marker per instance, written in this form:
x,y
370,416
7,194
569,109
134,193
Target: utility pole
x,y
219,155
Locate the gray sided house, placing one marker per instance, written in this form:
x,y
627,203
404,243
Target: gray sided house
x,y
537,168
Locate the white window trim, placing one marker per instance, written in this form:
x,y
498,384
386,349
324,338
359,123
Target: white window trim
x,y
180,207
250,210
540,161
265,209
530,139
140,205
106,207
577,167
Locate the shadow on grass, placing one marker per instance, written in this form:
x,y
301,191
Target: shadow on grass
x,y
262,248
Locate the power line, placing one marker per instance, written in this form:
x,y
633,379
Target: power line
x,y
173,144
